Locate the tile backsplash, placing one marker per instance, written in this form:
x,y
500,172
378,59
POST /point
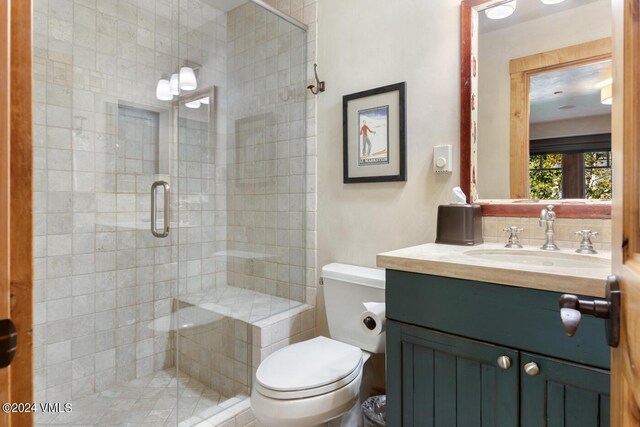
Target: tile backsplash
x,y
533,234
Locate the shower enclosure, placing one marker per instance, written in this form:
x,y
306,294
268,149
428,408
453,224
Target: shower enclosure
x,y
169,204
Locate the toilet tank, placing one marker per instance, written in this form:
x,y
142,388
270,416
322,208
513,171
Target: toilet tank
x,y
346,287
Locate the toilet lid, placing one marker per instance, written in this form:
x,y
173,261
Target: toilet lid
x,y
308,365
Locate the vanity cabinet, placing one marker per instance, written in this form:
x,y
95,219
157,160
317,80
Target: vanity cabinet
x,y
448,343
447,380
563,394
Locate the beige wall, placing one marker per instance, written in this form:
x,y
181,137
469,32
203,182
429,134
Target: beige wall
x,y
363,44
571,127
589,22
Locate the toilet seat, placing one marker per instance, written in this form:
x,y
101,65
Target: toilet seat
x,y
310,368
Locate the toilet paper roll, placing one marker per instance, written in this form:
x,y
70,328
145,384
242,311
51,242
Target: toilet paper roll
x,y
373,319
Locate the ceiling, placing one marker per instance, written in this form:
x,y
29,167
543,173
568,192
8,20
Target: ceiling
x,y
578,87
527,10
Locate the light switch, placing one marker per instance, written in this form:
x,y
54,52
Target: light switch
x,y
442,158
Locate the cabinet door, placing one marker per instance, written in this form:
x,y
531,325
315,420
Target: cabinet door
x,y
563,394
441,380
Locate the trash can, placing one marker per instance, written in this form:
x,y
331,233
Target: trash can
x,y
374,411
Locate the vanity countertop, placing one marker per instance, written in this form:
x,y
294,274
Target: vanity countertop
x,y
493,263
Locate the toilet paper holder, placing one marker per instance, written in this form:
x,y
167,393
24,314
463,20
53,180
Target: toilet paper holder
x,y
369,322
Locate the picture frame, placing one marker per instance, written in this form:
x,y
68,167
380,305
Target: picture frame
x,y
374,135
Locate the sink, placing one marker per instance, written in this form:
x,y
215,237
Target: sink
x,y
539,258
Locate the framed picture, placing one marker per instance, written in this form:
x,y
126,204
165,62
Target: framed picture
x,y
374,138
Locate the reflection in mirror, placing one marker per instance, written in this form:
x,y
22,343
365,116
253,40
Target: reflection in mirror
x,y
570,133
562,151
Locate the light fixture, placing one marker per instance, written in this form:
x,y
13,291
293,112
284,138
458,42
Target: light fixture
x,y
188,79
604,83
204,100
501,10
606,94
551,1
163,92
174,84
193,104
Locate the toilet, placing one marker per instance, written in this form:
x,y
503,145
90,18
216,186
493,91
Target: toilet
x,y
318,381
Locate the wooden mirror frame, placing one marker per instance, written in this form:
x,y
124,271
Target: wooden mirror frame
x,y
508,207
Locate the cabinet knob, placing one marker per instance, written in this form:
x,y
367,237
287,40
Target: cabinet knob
x,y
532,369
504,362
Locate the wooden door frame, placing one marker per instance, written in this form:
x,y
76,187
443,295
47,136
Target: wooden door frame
x,y
5,280
16,207
625,378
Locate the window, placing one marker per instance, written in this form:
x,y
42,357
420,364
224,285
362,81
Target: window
x,y
597,174
570,175
545,176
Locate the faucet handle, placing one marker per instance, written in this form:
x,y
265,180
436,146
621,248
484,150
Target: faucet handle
x,y
547,214
551,215
586,246
514,240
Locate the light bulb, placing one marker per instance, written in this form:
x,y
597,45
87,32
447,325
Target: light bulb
x,y
187,79
501,11
204,100
163,93
174,84
193,104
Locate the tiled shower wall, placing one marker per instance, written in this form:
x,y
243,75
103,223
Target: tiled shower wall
x,y
271,152
101,278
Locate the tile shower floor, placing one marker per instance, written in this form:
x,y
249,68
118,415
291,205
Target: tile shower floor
x,y
148,401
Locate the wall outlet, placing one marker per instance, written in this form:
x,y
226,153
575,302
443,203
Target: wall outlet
x,y
442,158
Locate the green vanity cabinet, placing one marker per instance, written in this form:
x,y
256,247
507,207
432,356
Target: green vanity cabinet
x,y
563,394
447,342
447,380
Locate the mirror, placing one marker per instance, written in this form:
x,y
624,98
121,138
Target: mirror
x,y
570,132
540,110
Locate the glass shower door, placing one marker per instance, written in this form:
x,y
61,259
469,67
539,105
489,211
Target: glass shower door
x,y
240,199
104,285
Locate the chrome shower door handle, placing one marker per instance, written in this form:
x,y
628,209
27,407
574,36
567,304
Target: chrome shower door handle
x,y
167,208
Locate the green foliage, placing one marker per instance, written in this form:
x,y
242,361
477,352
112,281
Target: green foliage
x,y
597,179
545,176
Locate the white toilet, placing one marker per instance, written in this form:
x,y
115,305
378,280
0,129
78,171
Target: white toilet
x,y
319,380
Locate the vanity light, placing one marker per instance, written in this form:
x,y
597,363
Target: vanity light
x,y
204,100
551,1
606,94
501,11
187,79
174,84
193,104
163,92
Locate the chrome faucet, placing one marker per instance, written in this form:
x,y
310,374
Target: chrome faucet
x,y
547,218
